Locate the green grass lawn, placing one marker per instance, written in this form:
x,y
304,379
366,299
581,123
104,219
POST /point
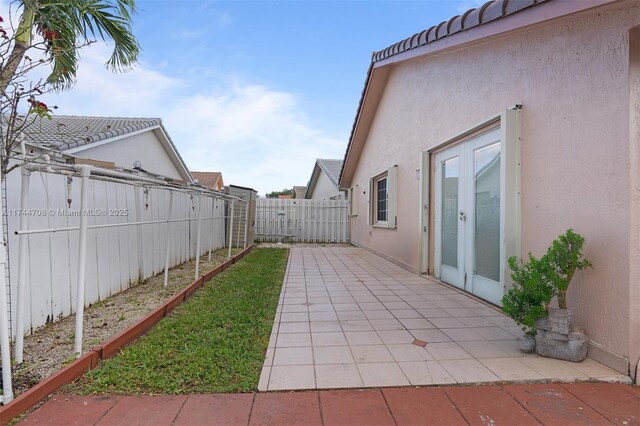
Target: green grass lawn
x,y
214,342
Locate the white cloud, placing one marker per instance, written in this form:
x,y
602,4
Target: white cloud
x,y
255,135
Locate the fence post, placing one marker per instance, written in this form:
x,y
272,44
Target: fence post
x,y
198,235
82,257
166,258
213,226
246,223
22,265
138,202
5,347
230,229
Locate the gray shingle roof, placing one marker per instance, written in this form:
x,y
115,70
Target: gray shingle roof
x,y
332,168
64,132
490,11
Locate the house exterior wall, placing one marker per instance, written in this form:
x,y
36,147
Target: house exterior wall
x,y
572,77
145,147
325,188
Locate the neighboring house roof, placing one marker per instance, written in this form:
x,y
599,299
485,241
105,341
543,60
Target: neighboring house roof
x,y
330,167
211,180
71,134
299,191
491,19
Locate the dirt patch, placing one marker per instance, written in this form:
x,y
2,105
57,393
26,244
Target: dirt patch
x,y
50,348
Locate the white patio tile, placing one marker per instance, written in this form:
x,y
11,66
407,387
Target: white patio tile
x,y
321,307
462,334
293,308
510,369
332,355
378,314
430,336
292,377
382,374
483,349
405,313
351,315
371,306
493,333
447,351
417,323
322,316
263,382
293,356
469,371
338,376
429,313
386,324
550,368
289,340
417,372
325,326
409,352
346,307
362,338
447,322
356,325
371,353
294,317
328,339
294,327
439,375
396,336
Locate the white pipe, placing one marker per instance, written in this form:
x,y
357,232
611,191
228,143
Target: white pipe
x,y
82,257
166,259
22,266
5,348
138,202
230,230
246,223
198,236
106,225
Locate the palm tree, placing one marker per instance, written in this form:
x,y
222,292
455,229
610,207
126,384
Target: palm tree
x,y
66,25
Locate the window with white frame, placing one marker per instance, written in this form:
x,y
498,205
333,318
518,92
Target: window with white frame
x,y
382,199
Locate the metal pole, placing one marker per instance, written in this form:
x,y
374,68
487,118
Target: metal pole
x,y
82,256
213,226
230,230
7,386
166,259
22,266
138,202
246,223
198,235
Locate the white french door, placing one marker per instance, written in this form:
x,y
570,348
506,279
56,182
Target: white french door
x,y
468,222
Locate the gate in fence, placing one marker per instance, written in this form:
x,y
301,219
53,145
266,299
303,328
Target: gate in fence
x,y
302,221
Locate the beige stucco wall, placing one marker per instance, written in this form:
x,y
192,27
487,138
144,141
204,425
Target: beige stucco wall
x,y
571,77
144,147
325,189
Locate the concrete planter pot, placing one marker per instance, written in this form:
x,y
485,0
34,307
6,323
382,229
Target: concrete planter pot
x,y
555,338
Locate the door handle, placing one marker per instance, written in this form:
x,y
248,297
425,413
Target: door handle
x,y
462,216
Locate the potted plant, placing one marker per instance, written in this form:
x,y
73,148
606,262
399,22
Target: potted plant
x,y
536,282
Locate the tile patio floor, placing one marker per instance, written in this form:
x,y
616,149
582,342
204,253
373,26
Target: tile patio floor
x,y
350,319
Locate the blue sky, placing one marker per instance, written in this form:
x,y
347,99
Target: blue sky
x,y
255,89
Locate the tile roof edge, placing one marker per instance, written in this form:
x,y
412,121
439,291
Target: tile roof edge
x,y
447,28
109,134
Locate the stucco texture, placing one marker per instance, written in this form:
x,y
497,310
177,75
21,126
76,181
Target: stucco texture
x,y
572,78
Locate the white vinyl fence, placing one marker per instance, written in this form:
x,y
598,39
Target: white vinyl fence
x,y
302,221
116,257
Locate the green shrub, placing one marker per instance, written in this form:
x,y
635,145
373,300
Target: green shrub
x,y
537,281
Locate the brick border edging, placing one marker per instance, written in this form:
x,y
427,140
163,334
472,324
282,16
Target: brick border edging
x,y
106,350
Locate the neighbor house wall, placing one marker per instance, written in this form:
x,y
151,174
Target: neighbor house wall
x,y
571,77
144,147
324,188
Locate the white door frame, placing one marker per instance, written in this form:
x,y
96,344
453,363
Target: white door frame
x,y
510,176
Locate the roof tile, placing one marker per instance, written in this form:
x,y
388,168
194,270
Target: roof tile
x,y
490,11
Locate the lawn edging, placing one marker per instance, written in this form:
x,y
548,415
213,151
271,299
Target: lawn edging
x,y
108,349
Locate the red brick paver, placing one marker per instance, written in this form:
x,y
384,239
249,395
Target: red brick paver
x,y
485,405
549,404
286,408
411,406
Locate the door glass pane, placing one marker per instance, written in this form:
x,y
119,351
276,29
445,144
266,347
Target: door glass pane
x,y
450,175
487,209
